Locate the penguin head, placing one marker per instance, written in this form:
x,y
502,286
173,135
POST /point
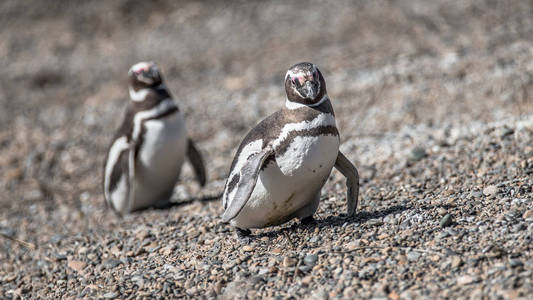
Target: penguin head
x,y
144,75
304,84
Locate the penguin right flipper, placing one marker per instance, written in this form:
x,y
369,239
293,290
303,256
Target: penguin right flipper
x,y
197,162
248,175
352,182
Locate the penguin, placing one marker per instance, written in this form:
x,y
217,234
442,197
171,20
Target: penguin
x,y
282,164
144,160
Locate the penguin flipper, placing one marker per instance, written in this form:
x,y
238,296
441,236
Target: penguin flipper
x,y
117,176
352,182
248,175
131,174
195,157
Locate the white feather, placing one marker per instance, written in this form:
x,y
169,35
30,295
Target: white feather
x,y
139,95
295,105
323,119
164,106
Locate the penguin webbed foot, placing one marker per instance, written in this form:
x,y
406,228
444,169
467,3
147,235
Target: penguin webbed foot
x,y
243,235
308,221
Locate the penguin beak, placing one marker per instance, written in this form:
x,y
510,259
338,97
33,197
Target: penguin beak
x,y
309,90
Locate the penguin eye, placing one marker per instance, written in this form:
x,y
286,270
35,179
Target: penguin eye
x,y
294,80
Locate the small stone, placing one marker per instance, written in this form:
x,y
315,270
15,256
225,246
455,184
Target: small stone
x,y
514,263
112,263
490,190
446,221
110,295
374,222
83,250
276,251
307,280
418,153
77,265
441,211
60,257
349,293
247,248
313,239
289,262
394,296
413,256
528,215
351,246
115,251
166,250
310,259
476,195
456,262
466,279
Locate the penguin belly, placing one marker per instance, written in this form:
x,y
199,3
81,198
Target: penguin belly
x,y
159,161
290,182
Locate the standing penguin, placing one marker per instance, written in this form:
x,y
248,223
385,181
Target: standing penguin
x,y
145,158
282,163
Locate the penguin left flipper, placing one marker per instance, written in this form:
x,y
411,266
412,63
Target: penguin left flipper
x,y
197,162
352,182
248,175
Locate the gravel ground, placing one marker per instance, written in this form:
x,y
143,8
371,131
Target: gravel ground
x,y
433,103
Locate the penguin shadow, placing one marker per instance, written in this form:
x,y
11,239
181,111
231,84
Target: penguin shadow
x,y
169,205
333,221
361,217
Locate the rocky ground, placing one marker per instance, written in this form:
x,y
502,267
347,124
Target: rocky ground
x,y
433,102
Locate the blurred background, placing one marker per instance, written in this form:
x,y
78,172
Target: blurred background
x,y
401,74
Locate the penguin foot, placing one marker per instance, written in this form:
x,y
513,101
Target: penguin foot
x,y
244,235
308,221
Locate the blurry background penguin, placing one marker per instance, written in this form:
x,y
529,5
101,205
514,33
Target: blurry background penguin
x,y
145,158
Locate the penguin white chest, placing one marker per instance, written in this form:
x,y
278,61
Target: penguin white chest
x,y
307,157
301,170
291,182
161,154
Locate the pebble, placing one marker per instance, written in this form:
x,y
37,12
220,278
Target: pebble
x,y
528,215
446,221
456,262
413,256
418,153
466,279
490,190
110,295
112,263
514,263
307,280
289,262
247,248
60,257
375,222
314,239
77,265
310,259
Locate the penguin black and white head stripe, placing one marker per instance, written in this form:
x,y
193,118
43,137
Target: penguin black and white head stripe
x,y
145,158
283,162
144,75
305,84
